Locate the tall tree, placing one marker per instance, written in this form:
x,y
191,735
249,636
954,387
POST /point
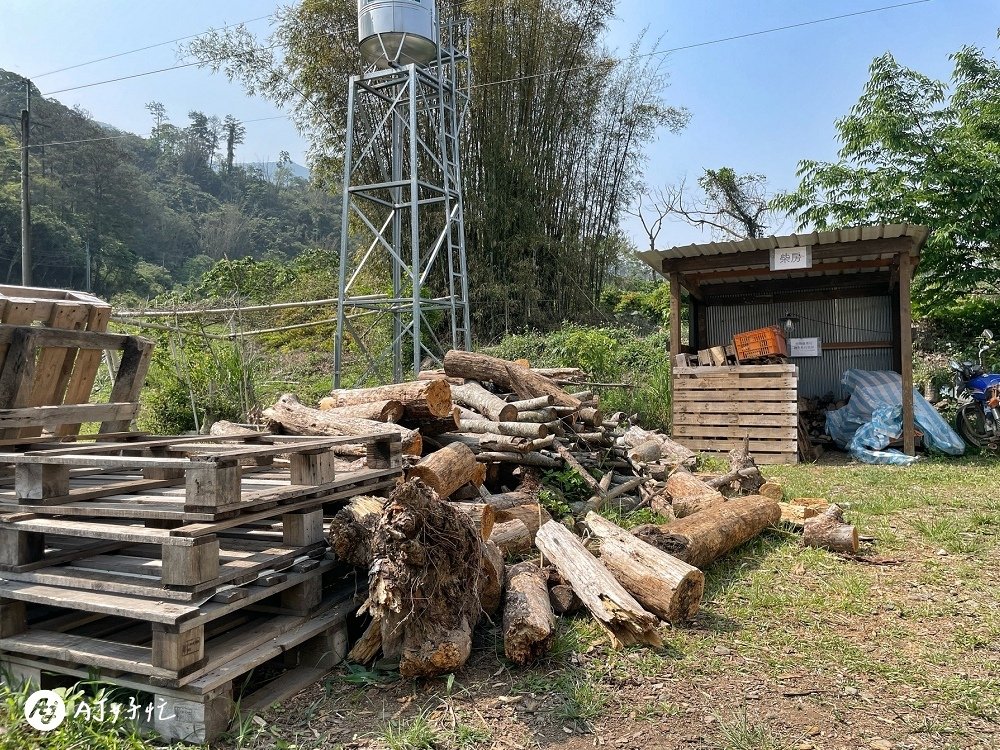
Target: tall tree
x,y
235,135
917,150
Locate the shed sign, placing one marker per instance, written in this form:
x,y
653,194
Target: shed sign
x,y
804,347
791,258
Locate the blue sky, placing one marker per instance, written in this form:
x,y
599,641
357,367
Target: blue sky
x,y
758,105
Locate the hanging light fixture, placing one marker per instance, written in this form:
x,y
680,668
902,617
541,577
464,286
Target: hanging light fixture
x,y
789,322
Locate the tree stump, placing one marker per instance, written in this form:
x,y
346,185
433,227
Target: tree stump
x,y
352,529
829,531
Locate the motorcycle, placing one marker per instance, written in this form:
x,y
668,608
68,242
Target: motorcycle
x,y
978,417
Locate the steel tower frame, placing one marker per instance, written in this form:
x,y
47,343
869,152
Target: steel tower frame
x,y
404,124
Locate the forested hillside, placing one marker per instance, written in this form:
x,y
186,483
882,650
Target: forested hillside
x,y
156,211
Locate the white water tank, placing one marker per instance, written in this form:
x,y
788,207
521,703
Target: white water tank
x,y
397,31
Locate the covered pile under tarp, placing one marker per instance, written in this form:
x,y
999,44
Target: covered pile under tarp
x,y
874,418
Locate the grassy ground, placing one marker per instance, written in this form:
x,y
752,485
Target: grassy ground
x,y
793,648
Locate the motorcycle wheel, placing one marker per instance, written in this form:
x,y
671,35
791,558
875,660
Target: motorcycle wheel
x,y
970,423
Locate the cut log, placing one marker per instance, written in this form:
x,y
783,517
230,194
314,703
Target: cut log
x,y
611,605
519,459
703,537
488,442
512,537
669,588
533,516
421,399
352,530
377,411
446,470
590,415
564,600
483,515
434,426
646,452
474,396
439,375
533,404
426,581
829,531
492,580
528,623
223,428
513,429
689,494
523,381
772,490
539,416
297,419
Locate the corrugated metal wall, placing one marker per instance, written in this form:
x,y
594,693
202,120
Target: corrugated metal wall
x,y
842,320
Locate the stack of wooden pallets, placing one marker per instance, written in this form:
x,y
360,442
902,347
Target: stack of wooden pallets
x,y
177,565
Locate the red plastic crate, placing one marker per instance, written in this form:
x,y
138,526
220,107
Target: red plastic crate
x,y
762,342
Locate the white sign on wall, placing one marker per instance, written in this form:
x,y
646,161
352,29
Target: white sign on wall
x,y
791,258
804,348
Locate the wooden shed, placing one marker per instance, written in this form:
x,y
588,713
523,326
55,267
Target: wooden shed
x,y
846,292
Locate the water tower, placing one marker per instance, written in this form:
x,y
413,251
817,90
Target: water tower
x,y
402,223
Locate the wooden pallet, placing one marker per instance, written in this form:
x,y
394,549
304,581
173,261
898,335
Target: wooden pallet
x,y
715,408
199,706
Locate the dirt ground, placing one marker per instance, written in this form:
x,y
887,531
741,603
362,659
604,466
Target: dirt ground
x,y
793,648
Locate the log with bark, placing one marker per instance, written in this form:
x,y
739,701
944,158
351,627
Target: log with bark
x,y
703,537
426,581
512,537
352,529
564,600
486,441
492,579
377,411
447,469
829,531
434,426
483,515
222,428
612,606
297,419
528,623
523,381
689,494
421,399
533,516
533,404
512,429
475,397
669,588
519,459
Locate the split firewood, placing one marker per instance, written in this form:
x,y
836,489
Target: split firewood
x,y
426,581
512,429
484,516
474,396
702,538
297,419
512,537
564,600
669,588
421,399
612,606
352,529
829,531
446,470
511,377
377,411
533,404
528,623
689,494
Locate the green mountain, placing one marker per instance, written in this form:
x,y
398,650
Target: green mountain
x,y
154,211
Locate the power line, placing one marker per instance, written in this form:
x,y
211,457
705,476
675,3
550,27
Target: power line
x,y
147,47
708,43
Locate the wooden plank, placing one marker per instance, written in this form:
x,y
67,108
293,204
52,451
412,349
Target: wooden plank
x,y
133,533
136,356
281,689
727,444
17,375
56,363
93,652
88,362
756,433
746,407
735,383
89,601
55,337
49,416
737,420
675,315
752,370
906,353
699,395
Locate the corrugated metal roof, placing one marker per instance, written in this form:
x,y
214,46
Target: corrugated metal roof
x,y
918,233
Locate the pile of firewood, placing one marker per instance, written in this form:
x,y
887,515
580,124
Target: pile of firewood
x,y
458,540
812,415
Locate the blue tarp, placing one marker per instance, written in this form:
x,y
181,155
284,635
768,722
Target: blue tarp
x,y
874,417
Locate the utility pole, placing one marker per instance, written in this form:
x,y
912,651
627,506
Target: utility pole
x,y
88,266
25,191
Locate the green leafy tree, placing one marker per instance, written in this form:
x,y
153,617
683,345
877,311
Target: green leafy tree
x,y
922,151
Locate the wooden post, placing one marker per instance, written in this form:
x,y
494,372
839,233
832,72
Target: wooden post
x,y
906,351
675,315
178,651
190,565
